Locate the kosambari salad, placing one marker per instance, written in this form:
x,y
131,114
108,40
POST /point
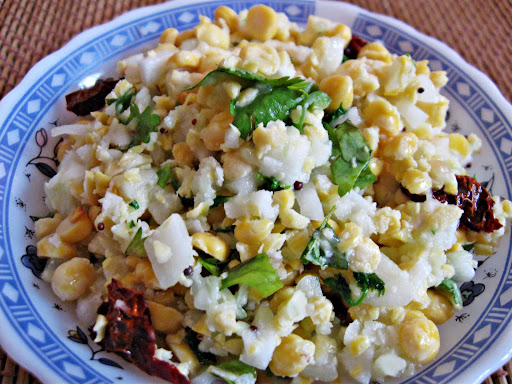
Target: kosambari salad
x,y
255,202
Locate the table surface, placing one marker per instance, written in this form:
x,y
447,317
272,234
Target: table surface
x,y
31,29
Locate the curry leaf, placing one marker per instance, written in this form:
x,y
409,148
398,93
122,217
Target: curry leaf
x,y
257,273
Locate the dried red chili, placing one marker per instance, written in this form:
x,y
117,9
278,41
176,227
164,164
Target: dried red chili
x,y
85,101
129,333
354,47
473,199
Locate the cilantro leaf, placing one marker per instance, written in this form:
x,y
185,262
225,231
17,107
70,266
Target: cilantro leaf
x,y
410,57
323,249
274,101
51,215
236,366
349,168
365,178
146,123
218,200
165,174
270,183
330,118
451,291
212,265
192,340
246,79
229,368
468,247
134,204
136,246
257,273
123,101
270,106
229,229
315,100
365,281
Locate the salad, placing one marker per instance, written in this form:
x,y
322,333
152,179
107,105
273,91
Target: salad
x,y
255,202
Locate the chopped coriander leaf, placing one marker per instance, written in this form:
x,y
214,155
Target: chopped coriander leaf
x,y
212,265
236,366
410,57
266,106
315,100
451,291
123,101
365,281
219,200
370,281
136,246
468,247
274,101
257,273
246,79
365,178
192,340
134,204
146,123
270,183
330,118
164,175
349,168
132,224
51,215
231,229
229,368
323,249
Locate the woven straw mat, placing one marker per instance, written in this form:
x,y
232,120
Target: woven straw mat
x,y
32,29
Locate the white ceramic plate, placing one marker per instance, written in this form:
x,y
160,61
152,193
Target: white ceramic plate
x,y
44,335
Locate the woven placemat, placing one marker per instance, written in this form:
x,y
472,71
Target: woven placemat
x,y
31,29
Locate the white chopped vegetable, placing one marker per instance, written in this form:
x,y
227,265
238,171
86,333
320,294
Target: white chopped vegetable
x,y
169,266
257,204
414,116
309,202
389,364
428,92
72,129
464,265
